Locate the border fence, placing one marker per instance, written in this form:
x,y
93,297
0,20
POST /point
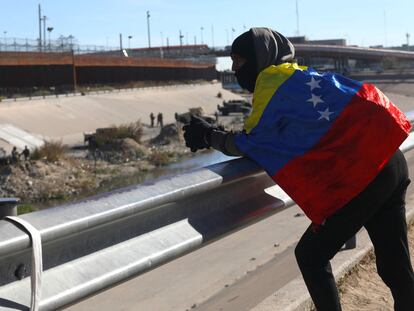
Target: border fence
x,y
61,45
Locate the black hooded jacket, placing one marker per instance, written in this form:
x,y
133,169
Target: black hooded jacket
x,y
261,47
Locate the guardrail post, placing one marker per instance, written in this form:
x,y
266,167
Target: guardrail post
x,y
8,207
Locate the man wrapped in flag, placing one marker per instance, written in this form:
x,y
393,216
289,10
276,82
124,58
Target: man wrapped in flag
x,y
332,144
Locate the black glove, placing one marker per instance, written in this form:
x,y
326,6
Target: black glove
x,y
197,134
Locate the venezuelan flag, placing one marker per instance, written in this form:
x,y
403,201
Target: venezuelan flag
x,y
321,136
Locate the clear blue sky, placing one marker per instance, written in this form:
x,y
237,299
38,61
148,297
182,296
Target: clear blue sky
x,y
99,22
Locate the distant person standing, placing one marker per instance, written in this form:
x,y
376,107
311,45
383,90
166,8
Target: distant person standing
x,y
26,153
160,120
14,155
152,117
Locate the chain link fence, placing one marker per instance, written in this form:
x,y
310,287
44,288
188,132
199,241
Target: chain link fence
x,y
62,44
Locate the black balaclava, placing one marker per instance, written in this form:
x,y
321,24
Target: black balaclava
x,y
261,47
243,45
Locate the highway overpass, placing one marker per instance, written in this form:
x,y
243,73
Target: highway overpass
x,y
333,51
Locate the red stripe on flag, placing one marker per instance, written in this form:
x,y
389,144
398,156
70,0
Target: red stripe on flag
x,y
348,157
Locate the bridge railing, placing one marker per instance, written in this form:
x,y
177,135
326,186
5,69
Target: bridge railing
x,y
95,243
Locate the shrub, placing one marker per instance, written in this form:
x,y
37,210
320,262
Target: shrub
x,y
132,130
51,151
159,158
109,135
24,209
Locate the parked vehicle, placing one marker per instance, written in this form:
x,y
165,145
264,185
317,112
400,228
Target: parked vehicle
x,y
237,105
185,118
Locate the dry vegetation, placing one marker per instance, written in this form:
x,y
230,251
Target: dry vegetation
x,y
118,157
51,151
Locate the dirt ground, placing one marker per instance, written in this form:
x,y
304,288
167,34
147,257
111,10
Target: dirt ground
x,y
363,290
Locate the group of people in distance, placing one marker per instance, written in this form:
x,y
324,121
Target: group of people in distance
x,y
160,121
15,155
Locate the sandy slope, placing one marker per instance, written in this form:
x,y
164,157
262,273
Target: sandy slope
x,y
363,290
66,118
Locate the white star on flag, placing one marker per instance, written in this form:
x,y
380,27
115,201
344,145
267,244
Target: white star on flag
x,y
315,99
325,114
314,84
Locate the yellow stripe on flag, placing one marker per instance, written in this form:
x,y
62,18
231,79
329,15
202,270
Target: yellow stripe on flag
x,y
267,83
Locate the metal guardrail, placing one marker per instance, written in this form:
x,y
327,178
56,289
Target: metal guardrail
x,y
92,244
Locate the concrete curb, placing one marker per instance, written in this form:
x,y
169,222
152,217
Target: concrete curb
x,y
294,296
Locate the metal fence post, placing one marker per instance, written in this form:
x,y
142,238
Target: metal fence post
x,y
8,207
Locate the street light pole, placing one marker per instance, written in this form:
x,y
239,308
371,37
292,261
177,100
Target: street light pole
x,y
40,28
148,26
49,29
44,30
129,42
201,30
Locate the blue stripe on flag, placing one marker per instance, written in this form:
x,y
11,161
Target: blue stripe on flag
x,y
297,117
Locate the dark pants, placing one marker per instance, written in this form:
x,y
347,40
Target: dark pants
x,y
380,208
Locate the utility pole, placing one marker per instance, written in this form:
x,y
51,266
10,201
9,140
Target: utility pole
x,y
44,30
297,19
120,41
408,40
40,28
148,27
201,31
